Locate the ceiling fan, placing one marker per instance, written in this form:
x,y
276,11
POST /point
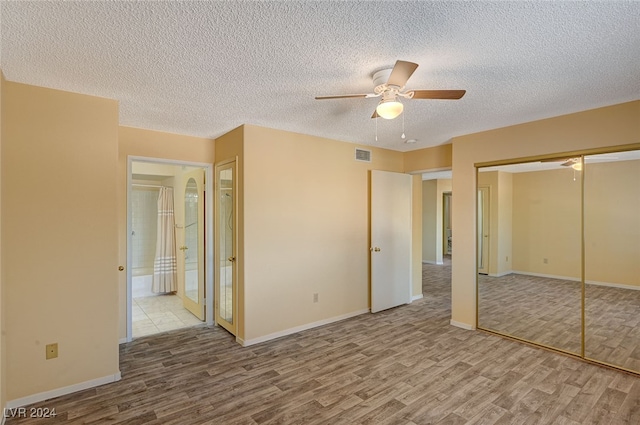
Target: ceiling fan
x,y
389,84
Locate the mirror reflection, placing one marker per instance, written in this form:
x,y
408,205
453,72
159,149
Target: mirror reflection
x,y
225,254
612,258
539,224
529,253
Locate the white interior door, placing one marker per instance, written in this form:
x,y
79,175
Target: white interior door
x,y
193,246
390,240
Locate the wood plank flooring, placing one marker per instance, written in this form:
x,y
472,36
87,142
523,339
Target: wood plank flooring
x,y
402,366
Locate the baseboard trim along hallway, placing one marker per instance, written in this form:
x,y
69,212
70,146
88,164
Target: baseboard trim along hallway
x,y
45,395
290,331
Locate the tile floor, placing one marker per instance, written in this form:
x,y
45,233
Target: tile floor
x,y
160,313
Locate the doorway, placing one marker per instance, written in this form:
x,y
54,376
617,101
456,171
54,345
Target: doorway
x,y
169,247
447,239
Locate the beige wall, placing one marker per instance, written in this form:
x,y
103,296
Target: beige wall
x,y
59,157
608,126
537,216
435,158
612,222
547,223
504,250
149,144
306,228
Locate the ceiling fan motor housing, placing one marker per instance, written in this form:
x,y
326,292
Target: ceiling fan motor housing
x,y
380,79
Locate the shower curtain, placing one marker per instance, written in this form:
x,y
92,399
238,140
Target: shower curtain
x,y
165,274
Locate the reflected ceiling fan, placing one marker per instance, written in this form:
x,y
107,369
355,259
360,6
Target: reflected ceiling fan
x,y
576,164
389,85
573,162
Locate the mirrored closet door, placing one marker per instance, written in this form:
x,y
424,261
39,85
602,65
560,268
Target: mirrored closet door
x,y
561,264
532,288
612,258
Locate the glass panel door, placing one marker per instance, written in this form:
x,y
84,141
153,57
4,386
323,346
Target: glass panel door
x,y
226,264
193,247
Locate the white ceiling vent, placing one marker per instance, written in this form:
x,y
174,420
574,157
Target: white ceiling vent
x,y
363,155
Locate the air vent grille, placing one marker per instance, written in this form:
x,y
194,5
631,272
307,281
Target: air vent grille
x,y
363,155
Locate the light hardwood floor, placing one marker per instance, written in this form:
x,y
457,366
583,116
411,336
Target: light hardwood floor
x,y
402,366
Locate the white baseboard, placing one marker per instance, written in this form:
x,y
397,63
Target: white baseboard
x,y
502,274
46,395
258,340
417,297
576,279
462,325
437,263
122,341
550,276
613,285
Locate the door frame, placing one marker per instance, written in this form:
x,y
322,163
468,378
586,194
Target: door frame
x,y
230,163
208,219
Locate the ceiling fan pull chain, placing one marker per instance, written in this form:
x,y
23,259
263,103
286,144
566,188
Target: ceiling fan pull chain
x,y
376,120
403,136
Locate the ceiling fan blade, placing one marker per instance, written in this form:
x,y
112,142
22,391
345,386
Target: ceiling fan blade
x,y
342,96
375,114
438,94
401,72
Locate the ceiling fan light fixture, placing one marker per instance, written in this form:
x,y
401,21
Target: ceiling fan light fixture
x,y
577,166
389,109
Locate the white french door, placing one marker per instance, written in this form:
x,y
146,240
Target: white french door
x,y
193,243
226,266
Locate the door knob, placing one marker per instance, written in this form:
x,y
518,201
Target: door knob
x,y
120,268
184,247
232,259
376,249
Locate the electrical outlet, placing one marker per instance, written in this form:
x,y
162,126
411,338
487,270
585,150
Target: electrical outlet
x,y
545,260
51,351
315,297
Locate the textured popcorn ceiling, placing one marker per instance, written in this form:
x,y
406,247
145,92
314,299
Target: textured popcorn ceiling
x,y
204,68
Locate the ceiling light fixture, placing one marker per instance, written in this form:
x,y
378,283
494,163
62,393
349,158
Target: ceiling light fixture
x,y
389,109
577,166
